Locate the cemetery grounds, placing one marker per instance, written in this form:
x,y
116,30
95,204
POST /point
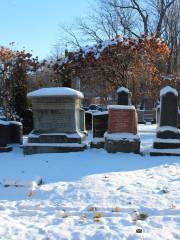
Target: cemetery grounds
x,y
90,195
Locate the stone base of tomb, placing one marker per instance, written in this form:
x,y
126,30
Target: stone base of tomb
x,y
165,152
97,143
123,144
166,144
5,149
54,143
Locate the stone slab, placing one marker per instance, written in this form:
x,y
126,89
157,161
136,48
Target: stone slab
x,y
56,138
165,145
125,146
5,149
29,149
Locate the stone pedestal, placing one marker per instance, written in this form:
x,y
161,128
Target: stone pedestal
x,y
100,125
122,130
56,117
168,135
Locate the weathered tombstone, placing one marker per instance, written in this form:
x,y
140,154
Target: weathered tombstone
x,y
4,136
122,130
167,141
140,114
123,96
100,125
56,115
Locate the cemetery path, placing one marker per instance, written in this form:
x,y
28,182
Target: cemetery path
x,y
90,195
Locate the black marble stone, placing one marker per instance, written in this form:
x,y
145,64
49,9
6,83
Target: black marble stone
x,y
123,98
169,110
4,134
100,125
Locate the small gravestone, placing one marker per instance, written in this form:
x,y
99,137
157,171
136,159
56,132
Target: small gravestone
x,y
4,136
140,114
121,135
100,125
123,96
167,141
56,115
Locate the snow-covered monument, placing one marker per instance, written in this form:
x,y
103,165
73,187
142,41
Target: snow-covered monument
x,y
57,123
121,135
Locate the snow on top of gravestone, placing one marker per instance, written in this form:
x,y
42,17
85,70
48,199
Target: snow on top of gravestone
x,y
55,91
4,122
122,89
121,107
168,89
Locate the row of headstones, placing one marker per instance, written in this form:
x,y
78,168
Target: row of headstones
x,y
10,132
116,130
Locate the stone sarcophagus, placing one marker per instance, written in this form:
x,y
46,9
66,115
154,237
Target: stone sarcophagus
x,y
56,118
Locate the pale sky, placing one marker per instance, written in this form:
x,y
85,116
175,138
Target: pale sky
x,y
34,24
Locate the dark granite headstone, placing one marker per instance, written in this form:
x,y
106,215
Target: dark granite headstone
x,y
169,110
100,126
4,136
88,120
16,132
123,96
168,135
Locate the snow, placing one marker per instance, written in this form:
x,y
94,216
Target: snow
x,y
122,89
121,136
4,122
15,122
97,140
168,89
117,188
55,144
55,91
168,128
121,107
167,140
99,113
68,135
170,151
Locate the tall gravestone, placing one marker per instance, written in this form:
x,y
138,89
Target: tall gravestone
x,y
168,135
57,125
123,96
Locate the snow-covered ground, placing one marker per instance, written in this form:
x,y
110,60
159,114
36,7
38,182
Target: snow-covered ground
x,y
90,195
